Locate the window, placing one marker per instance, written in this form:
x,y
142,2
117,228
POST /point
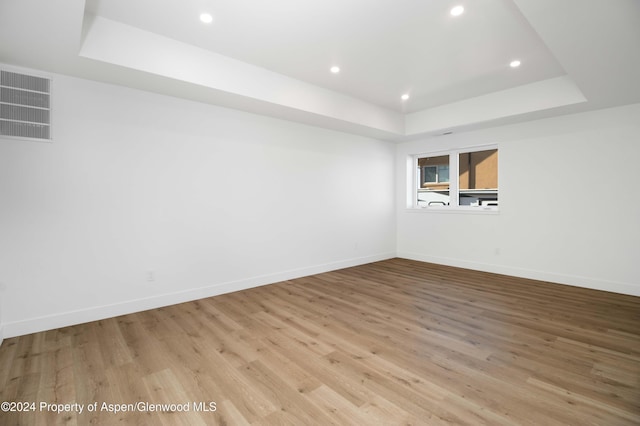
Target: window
x,y
435,174
478,178
464,179
434,180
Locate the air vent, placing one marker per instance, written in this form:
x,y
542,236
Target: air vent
x,y
25,106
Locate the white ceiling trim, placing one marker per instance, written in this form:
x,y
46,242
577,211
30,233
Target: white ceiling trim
x,y
538,96
126,46
130,47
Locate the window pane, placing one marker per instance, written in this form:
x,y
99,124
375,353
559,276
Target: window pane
x,y
443,173
430,174
478,178
433,189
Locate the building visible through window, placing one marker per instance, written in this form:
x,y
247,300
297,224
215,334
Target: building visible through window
x,y
478,181
434,180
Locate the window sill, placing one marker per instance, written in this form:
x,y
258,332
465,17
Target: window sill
x,y
454,210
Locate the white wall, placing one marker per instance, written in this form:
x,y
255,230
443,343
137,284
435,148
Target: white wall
x,y
2,299
214,200
569,205
209,199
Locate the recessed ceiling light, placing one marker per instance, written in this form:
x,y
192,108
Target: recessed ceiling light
x,y
206,18
405,97
334,69
457,11
515,64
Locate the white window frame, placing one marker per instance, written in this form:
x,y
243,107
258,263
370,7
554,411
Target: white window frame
x,y
454,176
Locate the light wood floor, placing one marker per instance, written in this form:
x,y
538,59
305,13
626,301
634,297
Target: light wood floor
x,y
394,342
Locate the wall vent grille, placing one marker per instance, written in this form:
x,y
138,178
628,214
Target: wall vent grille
x,y
25,103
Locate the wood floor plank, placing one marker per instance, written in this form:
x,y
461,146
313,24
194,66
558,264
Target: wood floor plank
x,y
396,342
339,409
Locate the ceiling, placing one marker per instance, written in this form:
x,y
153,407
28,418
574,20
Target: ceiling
x,y
275,57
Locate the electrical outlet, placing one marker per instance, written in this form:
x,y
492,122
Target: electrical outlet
x,y
151,276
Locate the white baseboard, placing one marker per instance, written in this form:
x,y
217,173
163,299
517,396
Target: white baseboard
x,y
572,280
94,313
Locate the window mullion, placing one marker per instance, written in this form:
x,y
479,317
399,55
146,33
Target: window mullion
x,y
453,180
